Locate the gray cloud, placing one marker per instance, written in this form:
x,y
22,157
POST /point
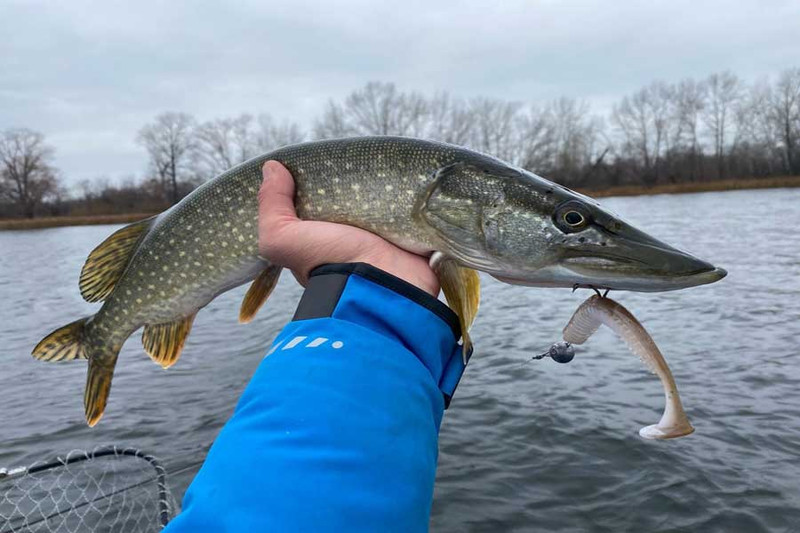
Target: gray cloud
x,y
90,74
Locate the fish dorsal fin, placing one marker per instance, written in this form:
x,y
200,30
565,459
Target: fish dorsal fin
x,y
164,342
107,262
462,288
258,293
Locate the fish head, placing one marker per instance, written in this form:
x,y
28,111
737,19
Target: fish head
x,y
525,230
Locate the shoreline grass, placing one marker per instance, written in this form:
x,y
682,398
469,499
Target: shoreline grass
x,y
81,220
622,190
776,182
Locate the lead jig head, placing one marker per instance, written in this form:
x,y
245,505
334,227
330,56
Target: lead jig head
x,y
560,352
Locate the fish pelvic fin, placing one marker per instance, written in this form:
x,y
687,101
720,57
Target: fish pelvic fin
x,y
462,288
164,342
98,385
258,293
64,344
106,263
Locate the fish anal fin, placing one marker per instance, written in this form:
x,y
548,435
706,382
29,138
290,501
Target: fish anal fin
x,y
462,288
164,342
108,260
258,293
63,344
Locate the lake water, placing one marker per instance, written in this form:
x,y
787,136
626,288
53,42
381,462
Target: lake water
x,y
527,445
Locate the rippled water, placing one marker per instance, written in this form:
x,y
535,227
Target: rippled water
x,y
526,445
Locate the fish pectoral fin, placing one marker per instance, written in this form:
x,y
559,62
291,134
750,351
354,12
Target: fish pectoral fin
x,y
164,342
107,262
64,344
462,288
258,293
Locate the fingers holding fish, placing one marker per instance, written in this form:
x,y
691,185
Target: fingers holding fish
x,y
301,245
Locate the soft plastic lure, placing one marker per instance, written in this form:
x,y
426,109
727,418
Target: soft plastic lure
x,y
603,310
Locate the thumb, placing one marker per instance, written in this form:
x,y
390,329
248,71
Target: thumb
x,y
276,195
275,206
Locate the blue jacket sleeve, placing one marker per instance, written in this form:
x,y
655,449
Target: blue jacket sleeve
x,y
338,428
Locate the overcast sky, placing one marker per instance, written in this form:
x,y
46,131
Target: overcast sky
x,y
90,74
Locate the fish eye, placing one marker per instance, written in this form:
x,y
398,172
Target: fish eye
x,y
573,218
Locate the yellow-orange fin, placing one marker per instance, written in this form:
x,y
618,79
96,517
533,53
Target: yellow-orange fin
x,y
63,344
462,288
106,263
164,342
98,385
258,293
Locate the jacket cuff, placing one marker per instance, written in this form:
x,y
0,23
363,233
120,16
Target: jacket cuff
x,y
370,297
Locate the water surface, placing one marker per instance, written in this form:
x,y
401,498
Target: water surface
x,y
526,445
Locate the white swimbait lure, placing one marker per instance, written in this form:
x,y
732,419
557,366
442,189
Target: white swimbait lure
x,y
603,310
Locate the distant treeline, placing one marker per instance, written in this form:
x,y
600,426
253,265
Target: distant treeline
x,y
693,131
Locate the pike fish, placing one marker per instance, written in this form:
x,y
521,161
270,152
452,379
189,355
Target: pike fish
x,y
466,210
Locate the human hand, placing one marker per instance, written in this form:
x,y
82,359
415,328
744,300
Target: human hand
x,y
302,245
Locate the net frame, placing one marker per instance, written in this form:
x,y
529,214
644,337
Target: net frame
x,y
165,500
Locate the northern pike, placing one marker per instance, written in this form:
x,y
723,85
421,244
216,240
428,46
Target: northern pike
x,y
599,310
464,209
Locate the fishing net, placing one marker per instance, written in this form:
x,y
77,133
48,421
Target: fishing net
x,y
108,489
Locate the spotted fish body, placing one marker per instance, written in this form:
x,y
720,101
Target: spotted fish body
x,y
465,209
205,245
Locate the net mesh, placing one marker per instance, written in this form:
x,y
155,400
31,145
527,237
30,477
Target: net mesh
x,y
107,489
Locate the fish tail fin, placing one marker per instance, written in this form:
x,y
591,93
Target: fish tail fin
x,y
74,341
98,385
64,344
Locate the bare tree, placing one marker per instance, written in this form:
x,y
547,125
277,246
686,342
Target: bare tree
x,y
786,115
380,109
169,142
27,176
333,123
724,91
377,109
649,128
575,136
661,132
223,143
536,140
449,120
273,135
690,99
633,120
493,126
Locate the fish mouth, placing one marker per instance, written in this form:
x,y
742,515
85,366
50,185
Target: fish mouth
x,y
631,260
561,276
633,277
639,262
